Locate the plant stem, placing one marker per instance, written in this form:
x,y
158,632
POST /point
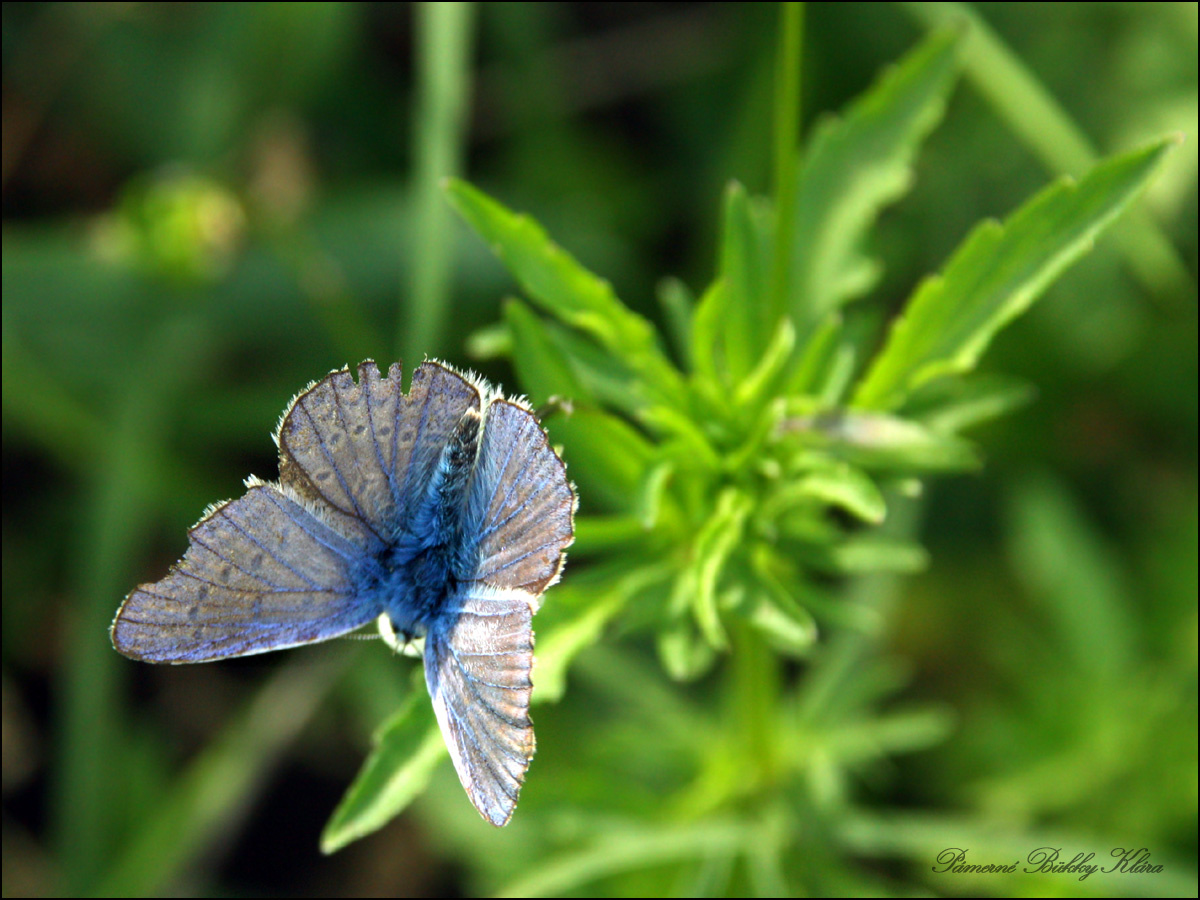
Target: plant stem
x,y
444,32
786,148
753,698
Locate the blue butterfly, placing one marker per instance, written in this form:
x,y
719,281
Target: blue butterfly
x,y
444,512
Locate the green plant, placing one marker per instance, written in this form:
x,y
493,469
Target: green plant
x,y
737,475
205,212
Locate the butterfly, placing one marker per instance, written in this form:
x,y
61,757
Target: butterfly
x,y
443,512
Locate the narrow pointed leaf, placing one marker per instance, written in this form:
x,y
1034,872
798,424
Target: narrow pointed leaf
x,y
679,307
878,441
541,364
952,405
555,281
855,166
746,238
407,748
707,324
996,274
847,488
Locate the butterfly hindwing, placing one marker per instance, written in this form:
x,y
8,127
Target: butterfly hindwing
x,y
260,573
478,658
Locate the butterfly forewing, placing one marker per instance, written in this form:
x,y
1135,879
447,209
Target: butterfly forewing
x,y
260,573
478,657
522,501
437,401
365,449
336,447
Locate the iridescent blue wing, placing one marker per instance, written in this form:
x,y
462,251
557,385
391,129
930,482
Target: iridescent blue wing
x,y
365,449
262,572
478,656
520,504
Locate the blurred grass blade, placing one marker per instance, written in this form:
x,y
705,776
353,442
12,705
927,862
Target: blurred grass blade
x,y
996,274
1040,121
443,51
407,748
683,436
652,491
867,553
43,412
622,847
707,326
854,167
110,521
220,785
1067,568
1013,90
605,534
785,125
559,644
711,549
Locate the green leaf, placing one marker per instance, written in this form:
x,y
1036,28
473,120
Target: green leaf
x,y
1039,121
818,358
494,341
559,644
707,325
407,748
773,610
543,368
878,441
601,376
854,167
651,492
555,281
574,617
757,387
688,442
698,582
835,483
952,405
606,457
623,846
996,274
745,270
678,306
684,653
597,534
868,553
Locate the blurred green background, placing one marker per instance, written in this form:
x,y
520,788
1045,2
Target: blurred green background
x,y
206,206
